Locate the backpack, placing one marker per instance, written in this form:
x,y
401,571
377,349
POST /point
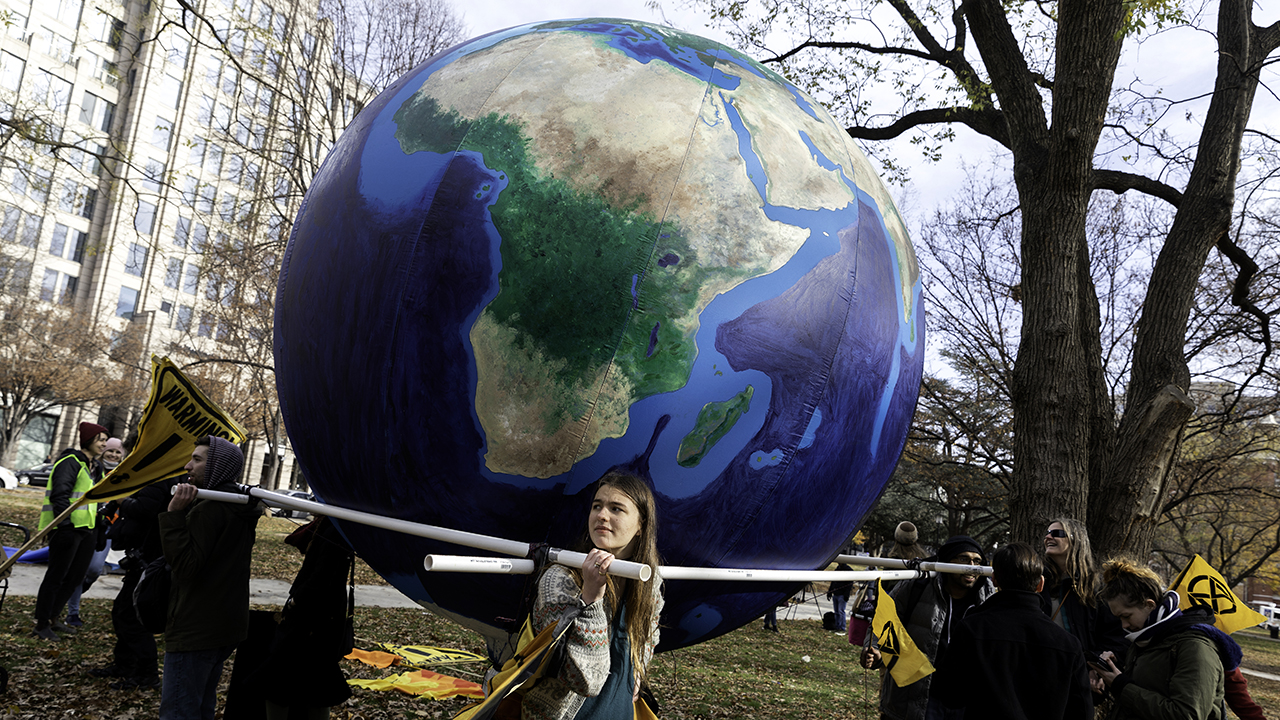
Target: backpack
x,y
828,621
151,595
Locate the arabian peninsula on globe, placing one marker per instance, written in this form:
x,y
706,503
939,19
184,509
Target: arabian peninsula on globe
x,y
586,244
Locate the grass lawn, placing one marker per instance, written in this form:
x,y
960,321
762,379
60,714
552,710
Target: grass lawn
x,y
745,674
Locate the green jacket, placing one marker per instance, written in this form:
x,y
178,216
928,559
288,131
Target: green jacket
x,y
1177,678
208,546
69,479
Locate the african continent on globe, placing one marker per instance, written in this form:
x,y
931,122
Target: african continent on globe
x,y
586,244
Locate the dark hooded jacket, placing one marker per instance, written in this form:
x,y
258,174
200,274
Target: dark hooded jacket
x,y
1009,661
209,545
1175,671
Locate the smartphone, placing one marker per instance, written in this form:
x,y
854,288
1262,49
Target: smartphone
x,y
1093,658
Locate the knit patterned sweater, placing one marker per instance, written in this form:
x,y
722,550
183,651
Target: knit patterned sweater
x,y
586,665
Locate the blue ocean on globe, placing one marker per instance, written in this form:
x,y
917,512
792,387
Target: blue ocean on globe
x,y
581,245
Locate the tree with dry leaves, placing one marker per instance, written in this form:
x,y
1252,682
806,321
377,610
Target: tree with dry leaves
x,y
51,357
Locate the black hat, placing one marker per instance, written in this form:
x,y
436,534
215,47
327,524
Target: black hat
x,y
957,544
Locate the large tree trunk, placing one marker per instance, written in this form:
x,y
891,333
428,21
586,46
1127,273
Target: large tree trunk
x,y
1057,385
1129,494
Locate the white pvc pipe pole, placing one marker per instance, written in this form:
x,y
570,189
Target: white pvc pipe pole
x,y
465,564
621,568
896,563
468,564
700,573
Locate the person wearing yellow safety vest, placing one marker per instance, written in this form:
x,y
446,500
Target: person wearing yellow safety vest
x,y
72,541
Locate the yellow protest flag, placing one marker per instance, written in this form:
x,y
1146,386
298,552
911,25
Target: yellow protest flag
x,y
419,655
1200,584
424,683
176,415
905,661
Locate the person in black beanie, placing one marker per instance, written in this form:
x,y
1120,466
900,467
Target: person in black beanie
x,y
930,608
208,545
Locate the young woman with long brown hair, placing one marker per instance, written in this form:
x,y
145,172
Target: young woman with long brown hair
x,y
616,625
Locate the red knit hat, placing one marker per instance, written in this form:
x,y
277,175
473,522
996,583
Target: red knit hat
x,y
89,431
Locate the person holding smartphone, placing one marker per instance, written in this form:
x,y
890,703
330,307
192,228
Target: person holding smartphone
x,y
1176,664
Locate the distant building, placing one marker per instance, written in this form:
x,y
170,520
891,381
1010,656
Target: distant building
x,y
191,135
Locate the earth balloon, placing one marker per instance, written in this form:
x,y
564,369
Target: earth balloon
x,y
581,245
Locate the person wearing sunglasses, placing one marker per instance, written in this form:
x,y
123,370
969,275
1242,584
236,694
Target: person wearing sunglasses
x,y
1071,585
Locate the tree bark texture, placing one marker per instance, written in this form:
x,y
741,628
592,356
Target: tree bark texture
x,y
1057,380
1157,409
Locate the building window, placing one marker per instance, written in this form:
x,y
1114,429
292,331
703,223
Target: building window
x,y
191,281
213,159
204,112
170,92
173,273
15,274
64,240
9,223
233,169
53,91
96,112
182,232
49,286
182,322
212,286
67,296
153,175
127,303
107,29
145,219
161,133
136,259
206,325
204,203
11,67
199,235
30,230
197,151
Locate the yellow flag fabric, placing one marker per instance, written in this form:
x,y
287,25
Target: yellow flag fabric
x,y
899,653
424,683
176,415
1200,584
419,655
375,658
521,671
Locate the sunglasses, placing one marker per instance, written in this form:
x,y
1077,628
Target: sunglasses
x,y
1057,533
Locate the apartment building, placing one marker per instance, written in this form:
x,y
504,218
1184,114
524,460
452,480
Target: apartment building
x,y
162,137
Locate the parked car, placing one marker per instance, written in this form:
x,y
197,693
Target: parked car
x,y
8,480
1272,623
296,514
37,476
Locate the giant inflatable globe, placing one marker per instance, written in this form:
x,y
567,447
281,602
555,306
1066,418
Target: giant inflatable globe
x,y
590,244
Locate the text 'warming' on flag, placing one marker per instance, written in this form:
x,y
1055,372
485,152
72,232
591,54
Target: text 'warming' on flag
x,y
898,651
176,415
1200,584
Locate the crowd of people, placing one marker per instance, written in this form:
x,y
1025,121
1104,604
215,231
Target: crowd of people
x,y
1049,636
204,548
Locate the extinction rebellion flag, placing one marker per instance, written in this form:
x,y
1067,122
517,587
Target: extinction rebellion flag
x,y
176,415
1200,584
905,661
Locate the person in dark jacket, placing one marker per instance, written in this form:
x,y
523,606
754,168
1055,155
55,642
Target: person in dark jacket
x,y
1007,660
137,532
930,609
1176,665
838,594
208,545
72,541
